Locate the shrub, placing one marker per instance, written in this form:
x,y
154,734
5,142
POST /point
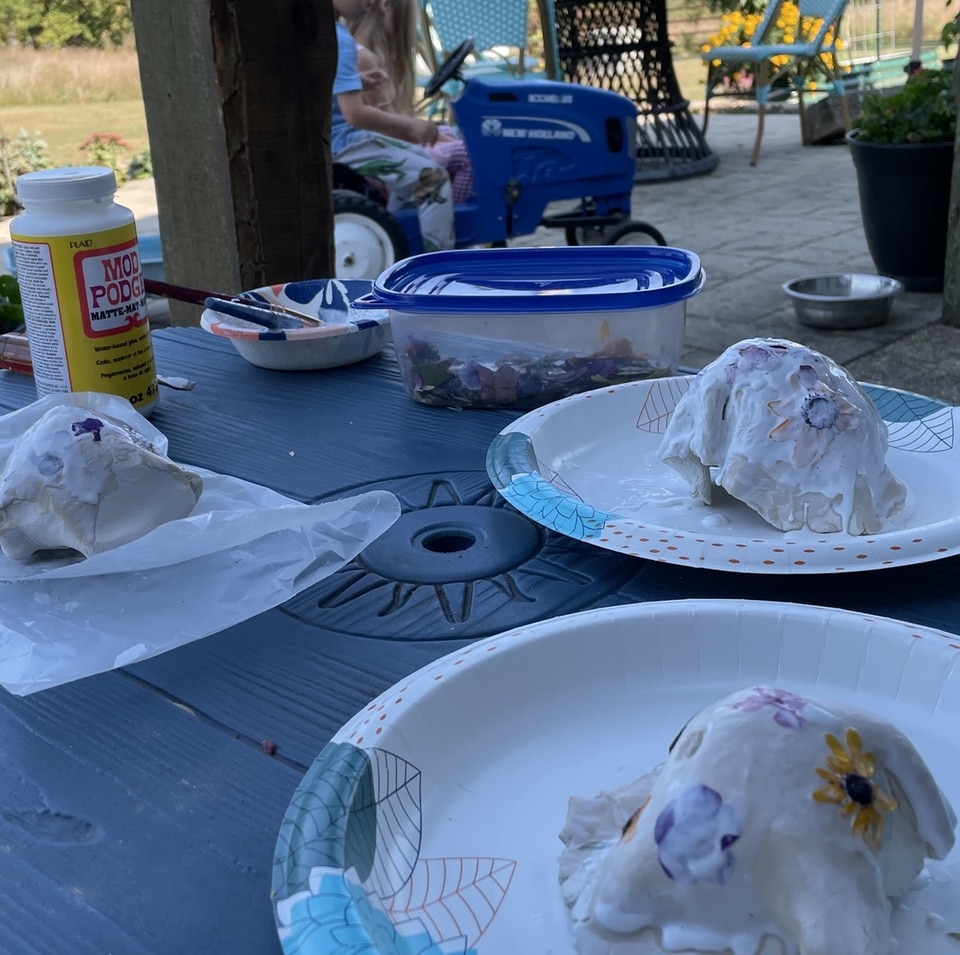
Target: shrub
x,y
108,149
25,153
11,308
924,111
141,166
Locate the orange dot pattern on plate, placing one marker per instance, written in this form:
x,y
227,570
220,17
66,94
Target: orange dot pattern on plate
x,y
520,633
806,555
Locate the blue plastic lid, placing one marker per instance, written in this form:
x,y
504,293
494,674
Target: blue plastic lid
x,y
557,279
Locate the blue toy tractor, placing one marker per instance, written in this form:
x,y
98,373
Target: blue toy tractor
x,y
532,143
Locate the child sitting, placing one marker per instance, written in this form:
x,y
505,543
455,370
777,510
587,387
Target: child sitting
x,y
385,145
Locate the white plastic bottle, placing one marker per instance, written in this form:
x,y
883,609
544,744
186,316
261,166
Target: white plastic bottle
x,y
81,284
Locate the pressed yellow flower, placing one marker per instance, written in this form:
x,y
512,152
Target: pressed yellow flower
x,y
849,776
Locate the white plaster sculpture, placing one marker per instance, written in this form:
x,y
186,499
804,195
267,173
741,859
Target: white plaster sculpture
x,y
83,480
790,434
773,817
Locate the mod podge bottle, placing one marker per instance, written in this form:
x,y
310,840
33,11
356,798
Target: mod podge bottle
x,y
81,285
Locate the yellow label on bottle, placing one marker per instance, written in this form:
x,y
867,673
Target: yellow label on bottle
x,y
86,313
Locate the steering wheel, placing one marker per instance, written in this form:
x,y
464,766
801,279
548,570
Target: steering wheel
x,y
449,68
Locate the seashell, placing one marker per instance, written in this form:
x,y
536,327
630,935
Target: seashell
x,y
86,481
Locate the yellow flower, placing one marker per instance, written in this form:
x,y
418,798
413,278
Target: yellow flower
x,y
849,776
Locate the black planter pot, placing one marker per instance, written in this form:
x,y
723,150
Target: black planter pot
x,y
904,198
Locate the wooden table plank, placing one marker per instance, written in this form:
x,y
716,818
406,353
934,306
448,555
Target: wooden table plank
x,y
133,825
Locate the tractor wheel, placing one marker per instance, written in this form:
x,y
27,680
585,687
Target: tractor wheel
x,y
634,233
584,235
367,239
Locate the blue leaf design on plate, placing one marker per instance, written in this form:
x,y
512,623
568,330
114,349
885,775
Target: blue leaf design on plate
x,y
354,809
536,497
314,829
895,406
335,914
915,423
935,433
508,455
398,820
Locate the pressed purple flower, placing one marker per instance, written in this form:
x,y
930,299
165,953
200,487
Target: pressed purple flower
x,y
786,705
754,355
602,368
807,376
470,375
694,833
87,426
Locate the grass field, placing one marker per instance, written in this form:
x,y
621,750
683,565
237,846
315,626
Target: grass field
x,y
64,128
65,96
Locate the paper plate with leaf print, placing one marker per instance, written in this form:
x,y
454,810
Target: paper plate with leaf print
x,y
430,823
587,466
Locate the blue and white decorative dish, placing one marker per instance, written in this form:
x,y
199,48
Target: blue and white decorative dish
x,y
587,467
430,824
348,335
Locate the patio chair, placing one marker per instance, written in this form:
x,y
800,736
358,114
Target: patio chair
x,y
772,62
499,31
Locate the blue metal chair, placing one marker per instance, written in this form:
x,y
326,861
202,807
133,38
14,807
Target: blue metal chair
x,y
771,62
499,31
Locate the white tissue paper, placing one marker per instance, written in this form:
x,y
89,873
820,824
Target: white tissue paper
x,y
242,550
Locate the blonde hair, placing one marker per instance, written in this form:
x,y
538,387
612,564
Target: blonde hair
x,y
392,38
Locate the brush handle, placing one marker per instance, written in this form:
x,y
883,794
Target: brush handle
x,y
181,293
258,314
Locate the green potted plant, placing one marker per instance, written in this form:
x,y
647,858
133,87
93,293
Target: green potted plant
x,y
902,149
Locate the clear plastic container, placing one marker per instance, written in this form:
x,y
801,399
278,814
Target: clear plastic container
x,y
517,328
81,284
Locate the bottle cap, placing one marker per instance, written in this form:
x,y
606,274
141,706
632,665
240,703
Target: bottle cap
x,y
66,183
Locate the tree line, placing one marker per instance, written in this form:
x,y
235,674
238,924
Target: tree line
x,y
50,24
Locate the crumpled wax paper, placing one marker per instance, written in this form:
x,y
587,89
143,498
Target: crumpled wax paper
x,y
243,550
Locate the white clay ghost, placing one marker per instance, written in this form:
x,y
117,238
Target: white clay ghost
x,y
83,480
791,434
773,817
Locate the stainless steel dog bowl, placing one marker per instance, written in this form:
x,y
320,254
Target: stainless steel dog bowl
x,y
843,300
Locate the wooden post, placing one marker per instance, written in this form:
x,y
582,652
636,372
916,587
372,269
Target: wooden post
x,y
237,97
951,275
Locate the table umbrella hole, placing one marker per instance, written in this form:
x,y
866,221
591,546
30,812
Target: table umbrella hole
x,y
452,543
449,541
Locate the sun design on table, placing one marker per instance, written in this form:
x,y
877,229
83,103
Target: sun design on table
x,y
813,415
500,562
849,775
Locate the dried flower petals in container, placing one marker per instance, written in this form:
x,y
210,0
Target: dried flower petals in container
x,y
520,327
